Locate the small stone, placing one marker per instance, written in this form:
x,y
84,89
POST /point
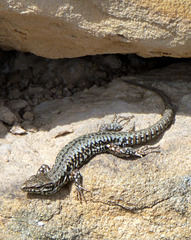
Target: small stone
x,y
17,105
54,90
17,130
7,116
66,92
28,116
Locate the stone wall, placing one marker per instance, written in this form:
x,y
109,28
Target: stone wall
x,y
75,28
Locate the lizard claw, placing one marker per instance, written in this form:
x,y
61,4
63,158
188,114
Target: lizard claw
x,y
77,177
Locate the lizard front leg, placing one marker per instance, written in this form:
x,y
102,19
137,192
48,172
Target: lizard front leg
x,y
116,125
78,179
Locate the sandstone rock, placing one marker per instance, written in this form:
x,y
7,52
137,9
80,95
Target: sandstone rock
x,y
73,28
137,199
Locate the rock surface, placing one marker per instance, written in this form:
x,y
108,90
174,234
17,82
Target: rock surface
x,y
77,28
7,116
146,198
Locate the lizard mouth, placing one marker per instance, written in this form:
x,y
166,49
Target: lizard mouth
x,y
39,188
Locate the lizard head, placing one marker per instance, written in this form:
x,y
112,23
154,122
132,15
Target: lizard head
x,y
40,184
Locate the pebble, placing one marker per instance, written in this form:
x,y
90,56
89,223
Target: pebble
x,y
17,105
17,130
28,116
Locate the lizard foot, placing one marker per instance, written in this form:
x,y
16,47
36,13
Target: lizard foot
x,y
78,179
116,124
144,150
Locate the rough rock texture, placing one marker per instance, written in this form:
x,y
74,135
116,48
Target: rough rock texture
x,y
7,116
76,28
146,198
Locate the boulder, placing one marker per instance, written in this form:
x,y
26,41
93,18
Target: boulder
x,y
78,28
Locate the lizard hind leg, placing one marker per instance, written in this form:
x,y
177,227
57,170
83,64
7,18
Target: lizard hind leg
x,y
125,152
117,124
144,150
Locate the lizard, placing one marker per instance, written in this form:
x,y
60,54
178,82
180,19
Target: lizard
x,y
109,139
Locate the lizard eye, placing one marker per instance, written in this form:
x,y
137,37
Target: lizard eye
x,y
48,188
